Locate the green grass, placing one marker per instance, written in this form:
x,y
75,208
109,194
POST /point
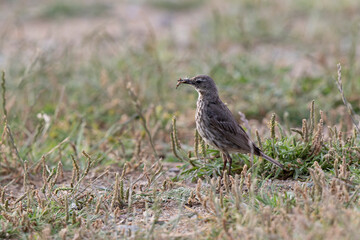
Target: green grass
x,y
297,151
90,147
66,9
176,5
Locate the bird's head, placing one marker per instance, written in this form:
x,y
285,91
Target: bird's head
x,y
204,84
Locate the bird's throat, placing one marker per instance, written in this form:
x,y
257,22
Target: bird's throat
x,y
204,95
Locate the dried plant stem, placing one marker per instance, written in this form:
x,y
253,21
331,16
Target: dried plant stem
x,y
305,132
196,144
258,139
48,153
62,189
115,192
98,204
21,198
3,86
84,174
7,127
141,116
76,171
66,209
176,139
346,103
25,176
173,146
272,126
203,147
312,118
88,163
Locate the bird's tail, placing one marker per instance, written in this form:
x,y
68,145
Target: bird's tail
x,y
263,155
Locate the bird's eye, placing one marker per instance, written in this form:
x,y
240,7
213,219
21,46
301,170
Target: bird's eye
x,y
198,80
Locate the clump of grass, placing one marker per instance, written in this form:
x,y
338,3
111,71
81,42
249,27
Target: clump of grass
x,y
177,150
249,204
297,154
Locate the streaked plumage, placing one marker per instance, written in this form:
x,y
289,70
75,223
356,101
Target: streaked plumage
x,y
216,124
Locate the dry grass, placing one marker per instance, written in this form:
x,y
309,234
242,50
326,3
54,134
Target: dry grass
x,y
97,143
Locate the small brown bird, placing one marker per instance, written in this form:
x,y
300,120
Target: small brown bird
x,y
216,124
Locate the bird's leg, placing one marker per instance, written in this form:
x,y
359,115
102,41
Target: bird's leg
x,y
224,157
230,162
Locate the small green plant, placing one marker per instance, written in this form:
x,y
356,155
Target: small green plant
x,y
298,150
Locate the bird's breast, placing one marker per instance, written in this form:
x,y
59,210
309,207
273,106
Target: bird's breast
x,y
200,111
202,120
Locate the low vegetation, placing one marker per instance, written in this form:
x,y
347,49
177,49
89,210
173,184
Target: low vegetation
x,y
97,143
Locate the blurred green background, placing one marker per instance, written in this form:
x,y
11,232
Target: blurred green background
x,y
72,61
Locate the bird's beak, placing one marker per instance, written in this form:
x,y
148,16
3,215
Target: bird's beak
x,y
183,80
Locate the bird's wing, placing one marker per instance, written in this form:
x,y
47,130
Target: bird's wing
x,y
221,119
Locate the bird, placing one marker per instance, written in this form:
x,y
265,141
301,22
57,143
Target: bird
x,y
216,124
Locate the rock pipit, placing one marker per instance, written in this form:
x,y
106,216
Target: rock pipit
x,y
216,124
